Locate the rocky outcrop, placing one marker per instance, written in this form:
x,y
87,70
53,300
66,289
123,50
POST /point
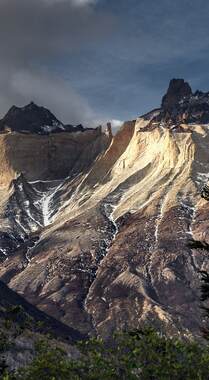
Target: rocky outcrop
x,y
205,192
181,105
178,89
109,130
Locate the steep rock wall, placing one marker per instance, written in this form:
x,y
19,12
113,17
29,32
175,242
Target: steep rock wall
x,y
48,157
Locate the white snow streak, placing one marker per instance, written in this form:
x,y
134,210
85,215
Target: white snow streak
x,y
47,205
112,220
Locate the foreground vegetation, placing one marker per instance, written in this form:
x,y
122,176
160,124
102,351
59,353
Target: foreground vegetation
x,y
139,355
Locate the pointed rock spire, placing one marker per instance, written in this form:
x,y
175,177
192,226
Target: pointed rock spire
x,y
109,130
177,90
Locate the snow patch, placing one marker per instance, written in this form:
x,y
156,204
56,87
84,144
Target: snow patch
x,y
47,205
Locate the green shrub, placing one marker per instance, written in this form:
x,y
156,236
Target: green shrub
x,y
4,342
8,324
143,355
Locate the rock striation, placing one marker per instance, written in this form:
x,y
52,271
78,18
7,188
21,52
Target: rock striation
x,y
48,157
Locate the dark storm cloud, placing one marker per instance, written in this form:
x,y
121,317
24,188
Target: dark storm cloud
x,y
33,35
40,29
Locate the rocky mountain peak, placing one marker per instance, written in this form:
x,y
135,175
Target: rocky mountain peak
x,y
180,105
35,119
31,119
177,90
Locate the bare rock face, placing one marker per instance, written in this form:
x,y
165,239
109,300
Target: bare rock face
x,y
177,90
50,157
181,105
107,247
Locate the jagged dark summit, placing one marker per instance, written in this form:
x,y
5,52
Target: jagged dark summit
x,y
180,104
34,119
178,89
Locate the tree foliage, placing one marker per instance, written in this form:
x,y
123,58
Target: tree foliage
x,y
144,355
204,299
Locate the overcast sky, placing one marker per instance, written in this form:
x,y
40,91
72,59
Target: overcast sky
x,y
94,60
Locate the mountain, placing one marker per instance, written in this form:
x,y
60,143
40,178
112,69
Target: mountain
x,y
96,229
34,119
178,90
181,105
